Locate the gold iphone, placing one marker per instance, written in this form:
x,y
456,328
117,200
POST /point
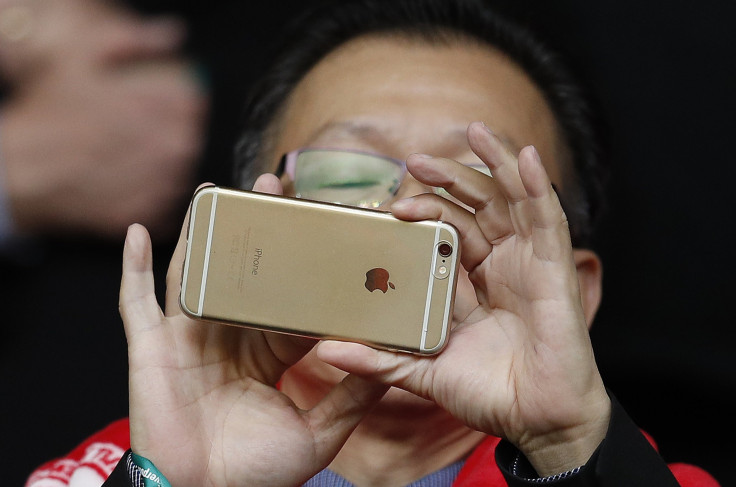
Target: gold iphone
x,y
320,270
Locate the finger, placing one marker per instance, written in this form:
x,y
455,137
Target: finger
x,y
337,415
504,167
288,349
138,305
388,368
268,183
551,234
176,266
471,187
475,247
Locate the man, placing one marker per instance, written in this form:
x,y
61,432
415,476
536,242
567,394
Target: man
x,y
223,406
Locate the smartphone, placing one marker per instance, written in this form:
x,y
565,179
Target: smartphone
x,y
320,270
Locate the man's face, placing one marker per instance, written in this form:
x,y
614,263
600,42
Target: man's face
x,y
395,97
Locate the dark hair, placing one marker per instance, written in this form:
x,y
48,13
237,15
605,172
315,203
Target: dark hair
x,y
326,27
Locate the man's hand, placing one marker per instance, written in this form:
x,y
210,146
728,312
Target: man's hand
x,y
520,366
203,402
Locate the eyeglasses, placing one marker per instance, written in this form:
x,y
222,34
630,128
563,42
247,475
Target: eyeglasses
x,y
347,177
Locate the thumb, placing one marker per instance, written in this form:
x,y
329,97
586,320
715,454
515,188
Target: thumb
x,y
268,183
335,417
402,370
138,306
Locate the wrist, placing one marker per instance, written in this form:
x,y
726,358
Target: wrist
x,y
521,468
144,472
569,448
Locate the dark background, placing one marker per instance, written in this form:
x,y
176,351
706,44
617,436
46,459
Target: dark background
x,y
664,74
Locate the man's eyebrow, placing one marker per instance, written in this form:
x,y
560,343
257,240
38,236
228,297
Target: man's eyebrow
x,y
372,133
359,129
368,131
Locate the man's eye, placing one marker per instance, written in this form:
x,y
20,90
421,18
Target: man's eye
x,y
349,184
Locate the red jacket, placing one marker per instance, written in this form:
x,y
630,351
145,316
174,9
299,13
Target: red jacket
x,y
93,461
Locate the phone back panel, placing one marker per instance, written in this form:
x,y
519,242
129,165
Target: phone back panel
x,y
308,268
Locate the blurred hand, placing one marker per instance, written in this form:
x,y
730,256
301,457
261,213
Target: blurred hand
x,y
103,121
203,402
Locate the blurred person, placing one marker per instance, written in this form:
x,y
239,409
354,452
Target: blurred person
x,y
101,120
515,398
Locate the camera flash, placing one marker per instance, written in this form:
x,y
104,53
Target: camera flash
x,y
443,270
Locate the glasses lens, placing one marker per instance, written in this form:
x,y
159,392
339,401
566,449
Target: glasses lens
x,y
350,178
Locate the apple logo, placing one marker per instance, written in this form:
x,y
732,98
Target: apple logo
x,y
378,279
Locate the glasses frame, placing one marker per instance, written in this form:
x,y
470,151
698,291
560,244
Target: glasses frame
x,y
287,164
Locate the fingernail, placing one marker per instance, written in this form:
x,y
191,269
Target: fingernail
x,y
421,156
401,204
536,155
488,129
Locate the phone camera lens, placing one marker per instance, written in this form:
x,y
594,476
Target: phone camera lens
x,y
445,249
